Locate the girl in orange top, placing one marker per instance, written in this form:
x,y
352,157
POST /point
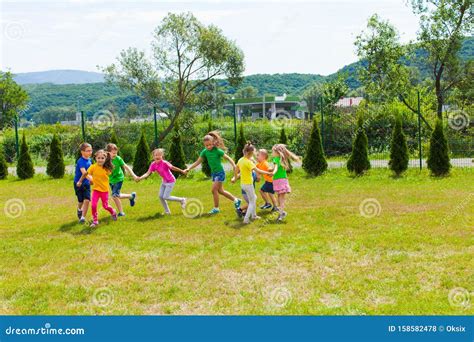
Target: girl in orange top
x,y
267,192
100,172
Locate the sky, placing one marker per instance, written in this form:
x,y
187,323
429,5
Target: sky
x,y
276,36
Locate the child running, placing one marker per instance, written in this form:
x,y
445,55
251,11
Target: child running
x,y
214,152
245,167
164,168
281,186
266,191
117,177
100,172
83,192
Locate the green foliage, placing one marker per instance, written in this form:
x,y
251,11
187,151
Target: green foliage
x,y
239,150
113,139
176,152
13,98
24,166
246,92
3,164
359,162
438,156
141,162
56,167
205,168
314,161
398,149
53,114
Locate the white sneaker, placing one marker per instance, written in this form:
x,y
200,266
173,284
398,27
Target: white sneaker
x,y
183,204
282,216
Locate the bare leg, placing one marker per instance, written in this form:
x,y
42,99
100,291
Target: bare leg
x,y
224,193
85,207
215,193
118,204
281,200
264,196
125,196
273,199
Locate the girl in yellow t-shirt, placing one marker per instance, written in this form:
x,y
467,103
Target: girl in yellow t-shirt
x,y
100,172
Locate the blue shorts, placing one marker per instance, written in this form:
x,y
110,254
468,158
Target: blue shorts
x,y
267,187
116,189
83,192
218,176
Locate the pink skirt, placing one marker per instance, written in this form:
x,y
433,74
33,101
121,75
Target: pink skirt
x,y
281,186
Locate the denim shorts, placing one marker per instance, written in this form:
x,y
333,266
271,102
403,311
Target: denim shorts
x,y
267,187
218,176
83,192
116,189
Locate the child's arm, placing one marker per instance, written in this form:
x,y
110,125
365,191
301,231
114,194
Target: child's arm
x,y
177,169
236,174
144,176
196,163
130,171
262,172
83,170
230,160
84,175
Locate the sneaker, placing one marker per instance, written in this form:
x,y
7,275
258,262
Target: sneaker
x,y
266,206
256,218
274,209
79,214
132,199
94,224
237,202
214,211
166,213
82,219
114,216
239,212
183,204
120,214
282,216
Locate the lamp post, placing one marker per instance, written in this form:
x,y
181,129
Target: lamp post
x,y
235,121
17,140
156,126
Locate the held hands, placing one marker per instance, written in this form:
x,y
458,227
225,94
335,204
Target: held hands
x,y
233,180
79,184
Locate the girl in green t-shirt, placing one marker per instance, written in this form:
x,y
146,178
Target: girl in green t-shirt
x,y
214,151
281,156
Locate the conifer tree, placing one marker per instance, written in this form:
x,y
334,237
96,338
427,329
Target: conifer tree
x,y
359,162
314,161
176,152
141,162
438,156
56,167
398,149
24,165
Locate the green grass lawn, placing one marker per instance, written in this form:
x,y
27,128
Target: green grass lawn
x,y
325,259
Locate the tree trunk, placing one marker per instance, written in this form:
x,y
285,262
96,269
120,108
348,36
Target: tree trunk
x,y
439,98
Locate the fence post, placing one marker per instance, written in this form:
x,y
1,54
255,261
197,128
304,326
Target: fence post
x,y
83,125
235,123
17,140
419,133
322,122
156,126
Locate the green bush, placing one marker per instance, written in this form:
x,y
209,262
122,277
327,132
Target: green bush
x,y
55,168
314,161
239,150
141,162
438,156
24,166
359,162
398,162
176,152
3,164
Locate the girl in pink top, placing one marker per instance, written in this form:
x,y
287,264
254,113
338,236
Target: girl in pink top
x,y
164,168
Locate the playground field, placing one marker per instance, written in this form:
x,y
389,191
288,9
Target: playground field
x,y
367,245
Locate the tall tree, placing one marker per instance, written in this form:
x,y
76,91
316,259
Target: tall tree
x,y
141,162
24,165
187,55
246,92
56,167
13,98
3,164
443,25
398,149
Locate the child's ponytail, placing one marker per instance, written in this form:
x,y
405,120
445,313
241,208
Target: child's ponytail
x,y
248,148
285,155
216,138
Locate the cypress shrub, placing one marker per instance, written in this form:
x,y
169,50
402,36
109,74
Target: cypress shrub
x,y
55,168
438,156
205,168
314,161
113,138
284,140
141,162
24,165
239,149
359,162
176,152
398,149
3,164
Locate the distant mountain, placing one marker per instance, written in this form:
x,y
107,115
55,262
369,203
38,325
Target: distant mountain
x,y
59,77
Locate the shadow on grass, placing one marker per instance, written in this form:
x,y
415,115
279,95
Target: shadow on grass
x,y
68,226
151,217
